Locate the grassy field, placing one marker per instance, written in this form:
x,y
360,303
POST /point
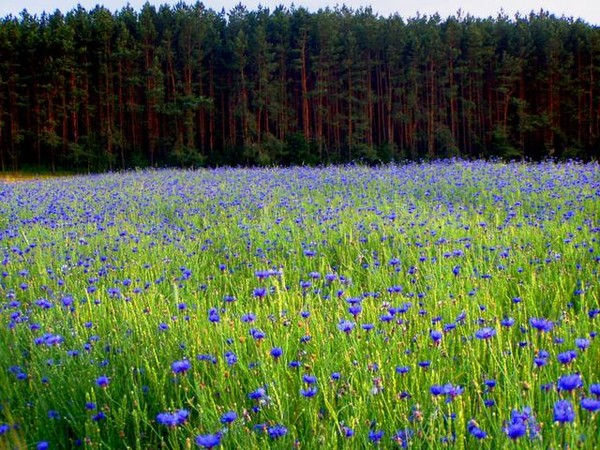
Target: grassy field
x,y
452,304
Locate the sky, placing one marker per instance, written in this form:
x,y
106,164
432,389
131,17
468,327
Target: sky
x,y
588,10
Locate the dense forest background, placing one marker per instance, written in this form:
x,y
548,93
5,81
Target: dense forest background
x,y
185,85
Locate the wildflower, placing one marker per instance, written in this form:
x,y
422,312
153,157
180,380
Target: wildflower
x,y
172,420
181,366
485,333
277,431
213,315
582,343
402,437
515,430
567,357
346,326
42,445
563,411
436,336
541,324
98,417
347,432
595,389
475,431
276,352
570,382
228,417
309,379
309,392
208,440
260,292
507,322
375,435
591,404
103,381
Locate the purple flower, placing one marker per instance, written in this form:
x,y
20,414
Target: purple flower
x,y
309,392
591,404
346,326
103,381
595,389
181,366
567,357
485,333
277,431
515,430
172,420
228,417
570,382
375,435
347,432
208,440
436,390
475,431
276,352
563,411
541,324
582,343
436,336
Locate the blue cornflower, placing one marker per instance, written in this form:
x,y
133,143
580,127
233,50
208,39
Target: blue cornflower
x,y
541,324
570,382
507,322
563,411
402,437
566,357
376,435
402,369
259,292
208,440
582,343
309,379
451,391
309,392
436,336
346,326
515,430
172,420
181,366
42,445
228,417
347,432
99,416
277,431
276,352
595,389
213,315
485,333
257,334
591,404
258,394
103,381
436,390
230,358
475,431
355,309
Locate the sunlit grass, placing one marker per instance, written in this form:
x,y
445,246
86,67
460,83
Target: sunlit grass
x,y
123,275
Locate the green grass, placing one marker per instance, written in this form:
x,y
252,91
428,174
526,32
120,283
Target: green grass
x,y
129,265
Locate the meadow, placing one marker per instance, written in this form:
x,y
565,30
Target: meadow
x,y
453,304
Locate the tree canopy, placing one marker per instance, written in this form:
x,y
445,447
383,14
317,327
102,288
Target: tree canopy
x,y
185,85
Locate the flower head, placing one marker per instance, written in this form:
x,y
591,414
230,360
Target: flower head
x,y
208,440
563,411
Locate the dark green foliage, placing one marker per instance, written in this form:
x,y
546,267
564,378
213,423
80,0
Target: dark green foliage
x,y
187,86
